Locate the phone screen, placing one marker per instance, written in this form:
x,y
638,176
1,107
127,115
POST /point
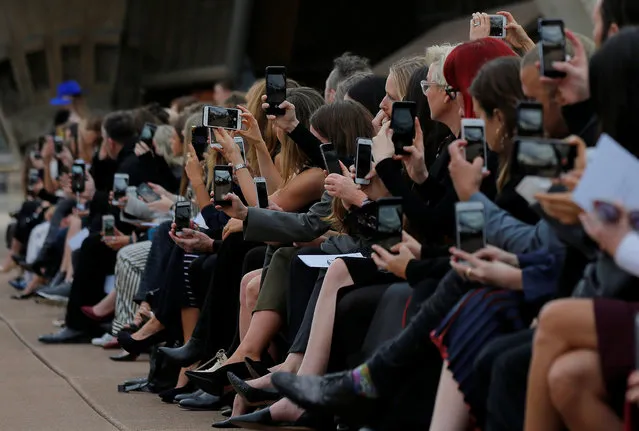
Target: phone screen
x,y
330,159
544,159
530,121
58,144
77,178
262,194
223,182
147,193
240,143
364,155
403,125
552,46
120,183
219,116
108,223
389,219
474,136
200,140
470,230
34,176
496,26
275,88
148,131
182,216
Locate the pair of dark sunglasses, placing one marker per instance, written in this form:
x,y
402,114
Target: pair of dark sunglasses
x,y
610,214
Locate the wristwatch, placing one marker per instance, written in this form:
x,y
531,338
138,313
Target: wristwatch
x,y
238,167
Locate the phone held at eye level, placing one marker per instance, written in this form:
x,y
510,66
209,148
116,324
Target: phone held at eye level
x,y
403,125
58,144
530,119
240,143
34,177
200,140
262,192
182,218
552,46
390,218
470,221
539,157
222,184
146,193
120,183
148,132
474,133
363,160
331,161
78,177
108,225
497,26
221,117
275,89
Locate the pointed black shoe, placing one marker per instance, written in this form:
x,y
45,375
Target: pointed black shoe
x,y
216,382
169,395
140,346
254,397
262,419
224,424
185,355
203,402
332,394
257,369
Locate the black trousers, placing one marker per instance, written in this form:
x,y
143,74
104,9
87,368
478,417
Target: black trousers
x,y
27,219
95,261
168,295
63,208
159,255
501,376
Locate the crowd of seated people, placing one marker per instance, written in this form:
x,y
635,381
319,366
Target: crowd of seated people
x,y
452,246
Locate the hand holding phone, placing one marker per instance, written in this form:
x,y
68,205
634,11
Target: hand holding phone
x,y
403,125
222,184
108,225
474,133
363,160
221,117
262,192
331,160
146,193
120,184
552,46
78,177
470,226
182,218
275,89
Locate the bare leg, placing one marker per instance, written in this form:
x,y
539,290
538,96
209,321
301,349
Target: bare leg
x,y
33,285
151,327
75,226
564,325
578,392
106,306
450,412
263,328
8,263
190,316
246,309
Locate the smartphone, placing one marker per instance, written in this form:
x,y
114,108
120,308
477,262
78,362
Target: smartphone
x,y
108,225
552,46
200,140
182,218
58,144
222,183
34,177
540,157
363,160
41,141
390,217
221,117
275,89
530,119
474,133
403,125
78,176
146,193
497,26
240,143
35,155
262,192
471,226
148,132
120,183
331,161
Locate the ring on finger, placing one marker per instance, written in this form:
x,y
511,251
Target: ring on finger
x,y
469,272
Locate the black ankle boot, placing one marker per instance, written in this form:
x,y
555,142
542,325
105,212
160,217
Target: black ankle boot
x,y
185,355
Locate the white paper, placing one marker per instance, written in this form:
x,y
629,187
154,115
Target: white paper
x,y
529,186
199,220
613,176
324,260
76,241
109,284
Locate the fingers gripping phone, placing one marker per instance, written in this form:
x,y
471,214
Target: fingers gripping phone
x,y
363,160
222,183
474,133
108,225
182,218
78,176
275,89
540,157
470,226
146,193
120,183
331,161
200,140
403,125
497,26
148,131
262,192
552,46
221,117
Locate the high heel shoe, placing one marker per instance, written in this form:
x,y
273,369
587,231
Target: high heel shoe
x,y
254,397
257,369
263,419
226,424
216,382
169,395
88,311
128,343
185,355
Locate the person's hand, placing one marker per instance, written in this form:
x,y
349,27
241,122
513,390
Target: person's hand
x,y
491,253
515,34
379,120
229,149
288,121
163,205
479,26
560,206
141,148
574,87
493,273
632,395
274,207
250,128
48,149
144,311
383,147
467,177
395,263
89,187
343,187
36,163
232,226
411,243
236,210
160,190
192,240
375,189
116,242
192,167
37,187
414,160
607,235
571,179
316,243
120,203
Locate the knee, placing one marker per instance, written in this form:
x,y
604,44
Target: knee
x,y
567,379
550,320
337,276
252,292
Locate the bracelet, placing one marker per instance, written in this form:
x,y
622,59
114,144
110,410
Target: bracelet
x,y
239,166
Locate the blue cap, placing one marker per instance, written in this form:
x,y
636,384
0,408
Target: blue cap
x,y
66,91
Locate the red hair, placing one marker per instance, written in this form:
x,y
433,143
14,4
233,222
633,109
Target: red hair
x,y
464,61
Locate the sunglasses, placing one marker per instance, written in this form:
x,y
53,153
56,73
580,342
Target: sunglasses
x,y
450,91
610,214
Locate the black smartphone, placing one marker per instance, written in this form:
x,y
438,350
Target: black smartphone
x,y
474,133
222,183
262,192
530,119
182,218
120,183
148,132
41,141
471,226
58,144
78,177
275,89
73,131
331,161
200,140
403,125
390,217
146,193
541,157
363,160
108,225
552,46
34,177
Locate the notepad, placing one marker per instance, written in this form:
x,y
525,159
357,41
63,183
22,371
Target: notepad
x,y
324,260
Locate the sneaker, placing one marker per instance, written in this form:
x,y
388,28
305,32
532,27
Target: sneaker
x,y
18,283
58,293
101,341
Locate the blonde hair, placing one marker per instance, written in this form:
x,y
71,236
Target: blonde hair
x,y
435,58
402,70
162,140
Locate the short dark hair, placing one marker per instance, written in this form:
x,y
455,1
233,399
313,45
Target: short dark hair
x,y
236,98
624,13
120,127
61,117
346,65
226,83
